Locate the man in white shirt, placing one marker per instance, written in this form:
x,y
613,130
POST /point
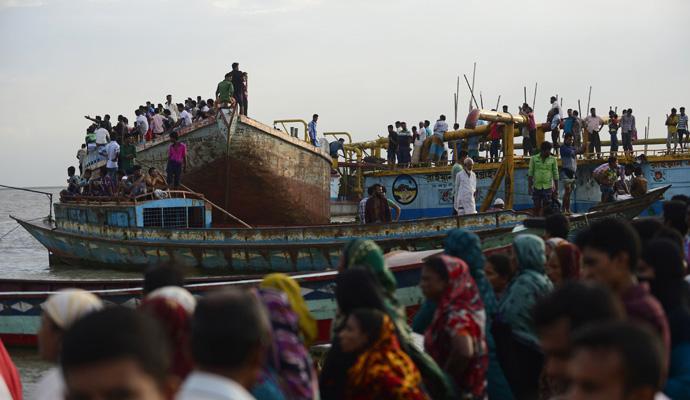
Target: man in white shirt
x,y
230,334
185,117
169,105
141,124
112,150
466,188
419,143
102,137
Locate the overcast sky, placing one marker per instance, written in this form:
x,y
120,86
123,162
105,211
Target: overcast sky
x,y
359,64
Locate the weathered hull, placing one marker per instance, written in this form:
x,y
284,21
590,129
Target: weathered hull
x,y
20,311
230,250
260,174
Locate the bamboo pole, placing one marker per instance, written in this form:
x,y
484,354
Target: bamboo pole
x,y
524,90
579,109
646,135
589,98
498,102
481,100
493,188
474,71
471,90
534,99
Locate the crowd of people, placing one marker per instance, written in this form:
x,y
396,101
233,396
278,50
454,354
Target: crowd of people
x,y
117,144
605,316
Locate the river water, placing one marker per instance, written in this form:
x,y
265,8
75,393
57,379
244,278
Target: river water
x,y
21,256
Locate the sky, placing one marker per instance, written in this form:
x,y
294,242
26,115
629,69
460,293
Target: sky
x,y
359,64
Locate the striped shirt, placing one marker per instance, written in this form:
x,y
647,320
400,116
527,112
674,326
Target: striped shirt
x,y
683,122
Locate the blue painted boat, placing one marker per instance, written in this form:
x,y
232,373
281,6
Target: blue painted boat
x,y
178,230
146,231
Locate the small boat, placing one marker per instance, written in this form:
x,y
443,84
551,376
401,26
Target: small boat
x,y
145,231
260,174
20,311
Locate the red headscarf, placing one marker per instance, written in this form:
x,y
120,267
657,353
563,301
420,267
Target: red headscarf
x,y
460,312
177,324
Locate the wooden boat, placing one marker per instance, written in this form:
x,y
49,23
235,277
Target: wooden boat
x,y
20,310
178,230
260,174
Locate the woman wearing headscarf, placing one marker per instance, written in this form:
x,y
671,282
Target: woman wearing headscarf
x,y
516,342
381,370
288,369
355,288
60,311
287,285
467,246
361,253
662,260
564,263
173,307
456,337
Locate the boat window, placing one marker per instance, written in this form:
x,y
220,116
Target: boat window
x,y
174,217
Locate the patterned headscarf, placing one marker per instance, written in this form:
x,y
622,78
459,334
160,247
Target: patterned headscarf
x,y
288,360
467,246
384,371
460,312
176,321
569,257
68,305
176,294
287,285
361,252
530,252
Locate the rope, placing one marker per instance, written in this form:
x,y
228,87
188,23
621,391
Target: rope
x,y
15,228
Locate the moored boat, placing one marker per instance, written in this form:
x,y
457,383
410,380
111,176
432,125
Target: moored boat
x,y
260,174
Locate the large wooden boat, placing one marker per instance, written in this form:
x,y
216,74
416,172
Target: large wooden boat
x,y
177,230
260,174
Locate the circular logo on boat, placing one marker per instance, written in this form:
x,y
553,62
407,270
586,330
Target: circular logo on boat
x,y
404,189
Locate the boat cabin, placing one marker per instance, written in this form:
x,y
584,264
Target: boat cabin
x,y
168,209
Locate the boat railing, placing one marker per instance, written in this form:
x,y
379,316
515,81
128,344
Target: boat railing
x,y
120,200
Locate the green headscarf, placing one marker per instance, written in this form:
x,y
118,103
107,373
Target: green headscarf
x,y
366,253
530,253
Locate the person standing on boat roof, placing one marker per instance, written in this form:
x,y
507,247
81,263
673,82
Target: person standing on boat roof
x,y
238,83
577,131
177,161
225,91
683,128
404,141
418,143
392,149
437,145
613,130
172,107
141,125
568,122
542,178
627,130
466,190
311,128
594,123
102,138
112,150
568,169
555,122
184,120
672,127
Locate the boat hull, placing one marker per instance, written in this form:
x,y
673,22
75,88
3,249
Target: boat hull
x,y
250,251
257,173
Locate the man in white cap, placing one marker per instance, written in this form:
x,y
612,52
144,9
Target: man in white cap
x,y
499,205
466,189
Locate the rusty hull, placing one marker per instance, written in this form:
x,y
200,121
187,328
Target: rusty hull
x,y
259,174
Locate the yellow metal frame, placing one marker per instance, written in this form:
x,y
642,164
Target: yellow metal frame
x,y
293,121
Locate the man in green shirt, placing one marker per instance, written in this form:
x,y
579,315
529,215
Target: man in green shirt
x,y
128,152
542,178
225,91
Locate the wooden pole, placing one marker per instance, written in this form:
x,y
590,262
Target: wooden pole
x,y
474,71
646,135
498,102
481,100
589,98
508,144
471,90
457,97
534,99
524,90
579,110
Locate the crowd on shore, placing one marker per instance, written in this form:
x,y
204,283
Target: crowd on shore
x,y
605,316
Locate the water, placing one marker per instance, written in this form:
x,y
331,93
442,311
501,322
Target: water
x,y
21,256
